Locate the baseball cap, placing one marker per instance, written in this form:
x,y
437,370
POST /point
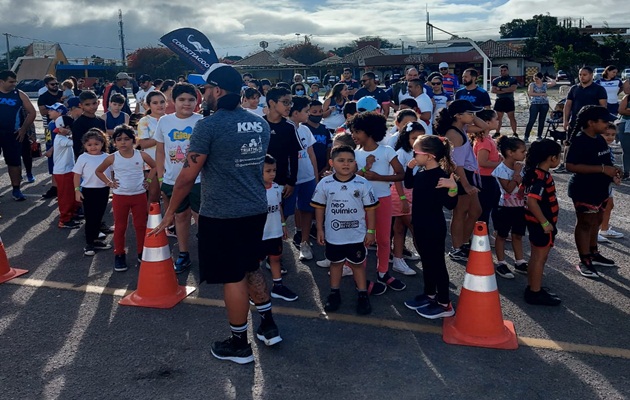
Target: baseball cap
x,y
144,78
367,103
462,106
443,65
347,70
594,113
73,102
58,107
221,75
122,75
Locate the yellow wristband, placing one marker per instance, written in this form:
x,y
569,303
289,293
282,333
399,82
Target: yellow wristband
x,y
160,179
284,224
149,180
545,224
76,189
403,197
453,190
372,231
363,170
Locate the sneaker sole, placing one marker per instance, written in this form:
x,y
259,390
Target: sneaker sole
x,y
277,296
393,288
303,258
437,316
121,269
89,253
269,342
457,258
587,275
238,360
600,264
415,308
522,272
505,276
409,272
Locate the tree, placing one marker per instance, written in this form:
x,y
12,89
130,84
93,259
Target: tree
x,y
306,53
614,51
343,50
375,41
158,61
518,28
567,59
14,54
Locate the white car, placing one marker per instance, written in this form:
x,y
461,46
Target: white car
x,y
625,74
313,79
597,73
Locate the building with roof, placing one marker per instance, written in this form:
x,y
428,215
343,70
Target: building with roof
x,y
266,64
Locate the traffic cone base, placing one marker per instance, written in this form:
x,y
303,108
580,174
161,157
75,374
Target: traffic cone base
x,y
6,272
507,340
157,282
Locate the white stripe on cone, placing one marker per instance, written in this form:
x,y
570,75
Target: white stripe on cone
x,y
480,243
154,254
153,221
480,284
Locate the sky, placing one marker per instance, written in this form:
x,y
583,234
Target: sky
x,y
236,27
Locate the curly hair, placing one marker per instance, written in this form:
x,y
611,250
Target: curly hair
x,y
372,123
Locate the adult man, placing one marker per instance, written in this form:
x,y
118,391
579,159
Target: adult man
x,y
50,96
119,86
415,90
229,148
471,92
368,80
504,87
352,84
146,87
298,78
582,94
13,128
398,90
449,81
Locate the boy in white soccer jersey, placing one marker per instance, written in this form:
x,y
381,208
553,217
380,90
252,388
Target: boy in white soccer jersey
x,y
345,199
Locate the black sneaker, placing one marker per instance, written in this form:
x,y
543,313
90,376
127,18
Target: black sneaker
x,y
297,239
391,282
521,268
410,255
98,245
313,232
79,214
541,298
120,263
89,250
269,334
376,288
514,134
51,193
496,135
363,304
587,270
231,351
601,261
333,302
106,229
504,271
283,292
457,255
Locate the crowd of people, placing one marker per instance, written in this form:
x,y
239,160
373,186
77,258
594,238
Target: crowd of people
x,y
241,156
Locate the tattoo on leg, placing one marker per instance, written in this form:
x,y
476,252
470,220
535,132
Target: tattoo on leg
x,y
257,286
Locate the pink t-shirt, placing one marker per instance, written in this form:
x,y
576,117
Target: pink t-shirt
x,y
487,144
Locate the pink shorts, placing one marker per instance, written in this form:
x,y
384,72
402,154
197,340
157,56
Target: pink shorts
x,y
397,203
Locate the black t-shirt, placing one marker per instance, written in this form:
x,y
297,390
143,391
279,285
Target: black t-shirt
x,y
584,96
589,188
80,127
48,99
379,94
504,82
351,83
284,146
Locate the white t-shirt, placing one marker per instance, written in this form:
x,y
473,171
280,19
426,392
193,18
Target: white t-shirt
x,y
130,174
514,199
86,167
146,130
63,156
345,203
384,155
404,157
424,104
305,171
258,111
273,226
140,96
175,134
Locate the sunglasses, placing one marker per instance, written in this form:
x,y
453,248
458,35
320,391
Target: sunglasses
x,y
54,83
287,103
422,153
436,83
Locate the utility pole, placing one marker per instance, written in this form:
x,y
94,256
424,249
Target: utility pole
x,y
8,51
121,35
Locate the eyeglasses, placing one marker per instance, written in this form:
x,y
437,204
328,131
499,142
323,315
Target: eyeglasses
x,y
287,103
436,83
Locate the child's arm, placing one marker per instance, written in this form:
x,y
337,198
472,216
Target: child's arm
x,y
609,170
285,231
159,160
403,199
370,215
482,159
100,172
319,222
399,173
78,196
311,155
127,117
534,208
151,163
450,200
409,175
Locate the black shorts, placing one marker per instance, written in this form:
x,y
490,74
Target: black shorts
x,y
472,180
11,149
271,247
508,219
504,104
538,237
229,248
354,253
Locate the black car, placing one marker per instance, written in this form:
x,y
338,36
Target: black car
x,y
30,85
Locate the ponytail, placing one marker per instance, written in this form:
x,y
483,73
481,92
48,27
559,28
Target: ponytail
x,y
446,161
537,153
443,121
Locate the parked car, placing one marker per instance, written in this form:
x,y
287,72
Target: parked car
x,y
625,74
30,85
597,73
313,79
561,75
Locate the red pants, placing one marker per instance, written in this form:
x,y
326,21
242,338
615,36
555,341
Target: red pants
x,y
65,196
383,233
122,205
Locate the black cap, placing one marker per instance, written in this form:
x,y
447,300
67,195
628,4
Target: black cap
x,y
145,78
221,75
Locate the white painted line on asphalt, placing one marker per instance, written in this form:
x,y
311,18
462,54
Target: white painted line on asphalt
x,y
546,344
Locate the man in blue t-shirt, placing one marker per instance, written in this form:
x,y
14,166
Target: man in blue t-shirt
x,y
471,92
504,87
368,80
352,84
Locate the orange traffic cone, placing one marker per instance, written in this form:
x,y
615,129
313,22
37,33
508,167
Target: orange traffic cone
x,y
479,320
157,283
6,272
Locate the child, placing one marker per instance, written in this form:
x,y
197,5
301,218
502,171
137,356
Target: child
x,y
251,101
593,171
510,212
314,95
275,231
433,189
172,134
323,140
67,87
90,190
114,115
606,231
487,155
345,199
349,111
63,160
375,163
129,187
156,103
452,123
401,120
87,120
541,216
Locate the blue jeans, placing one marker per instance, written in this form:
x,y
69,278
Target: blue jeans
x,y
540,111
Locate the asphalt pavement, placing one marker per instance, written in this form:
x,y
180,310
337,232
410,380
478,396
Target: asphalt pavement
x,y
64,336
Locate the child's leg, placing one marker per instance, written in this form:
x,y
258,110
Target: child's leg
x,y
587,223
360,277
121,208
517,246
536,267
457,221
383,228
276,268
335,275
182,227
93,209
165,201
606,215
399,235
305,220
499,248
140,215
474,212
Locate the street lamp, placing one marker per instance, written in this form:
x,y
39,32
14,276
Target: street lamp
x,y
297,35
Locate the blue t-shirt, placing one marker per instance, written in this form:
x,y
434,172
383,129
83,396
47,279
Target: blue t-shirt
x,y
323,142
440,99
478,96
379,94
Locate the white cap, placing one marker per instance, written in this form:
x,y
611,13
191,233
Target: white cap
x,y
443,65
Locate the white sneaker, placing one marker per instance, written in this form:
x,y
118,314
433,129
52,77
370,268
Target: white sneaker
x,y
601,239
325,263
610,233
347,271
305,251
399,265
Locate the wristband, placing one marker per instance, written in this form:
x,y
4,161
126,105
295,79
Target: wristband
x,y
372,231
149,180
284,224
363,170
403,197
453,190
160,179
545,224
78,188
